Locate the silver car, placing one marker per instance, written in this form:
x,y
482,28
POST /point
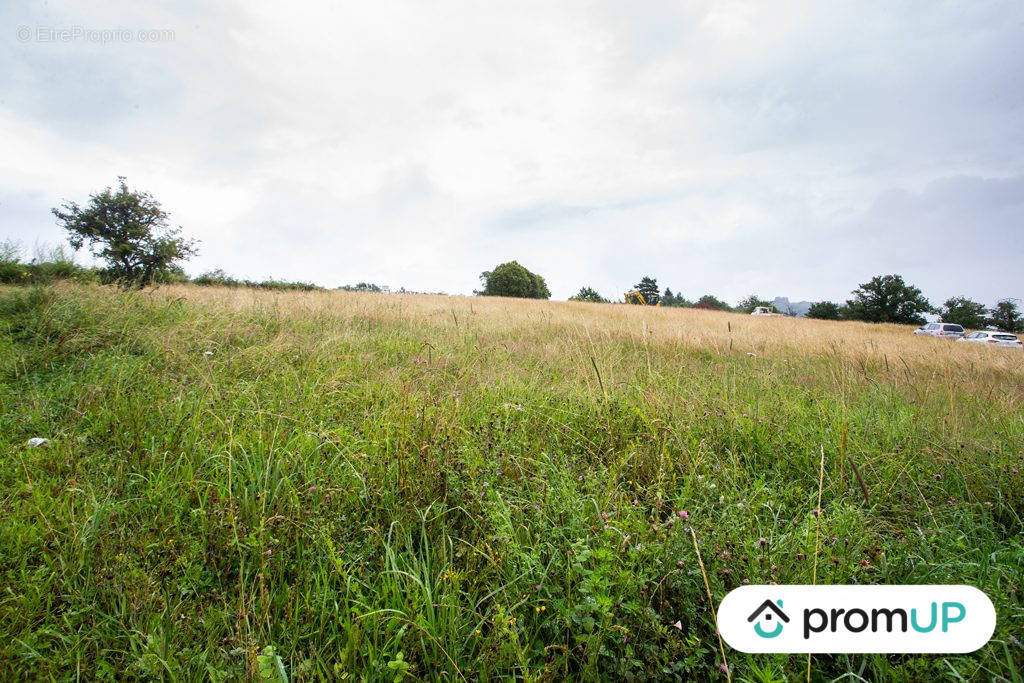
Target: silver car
x,y
1003,339
947,330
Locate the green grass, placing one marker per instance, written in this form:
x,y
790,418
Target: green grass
x,y
378,486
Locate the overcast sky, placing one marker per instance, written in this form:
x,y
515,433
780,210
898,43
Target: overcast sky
x,y
782,148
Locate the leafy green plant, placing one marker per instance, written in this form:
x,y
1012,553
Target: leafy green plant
x,y
399,667
270,666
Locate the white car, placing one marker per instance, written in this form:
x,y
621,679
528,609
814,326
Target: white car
x,y
948,330
763,310
1004,339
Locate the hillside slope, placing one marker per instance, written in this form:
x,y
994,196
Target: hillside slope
x,y
468,488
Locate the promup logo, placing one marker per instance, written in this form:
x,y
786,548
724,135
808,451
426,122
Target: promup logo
x,y
765,612
947,619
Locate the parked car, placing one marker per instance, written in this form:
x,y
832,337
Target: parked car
x,y
764,310
947,330
1005,339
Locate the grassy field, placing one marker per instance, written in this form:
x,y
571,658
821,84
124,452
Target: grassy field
x,y
337,485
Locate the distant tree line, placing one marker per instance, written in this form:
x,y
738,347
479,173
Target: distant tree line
x,y
884,299
218,278
54,264
888,299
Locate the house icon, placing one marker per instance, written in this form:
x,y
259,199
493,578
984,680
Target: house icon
x,y
765,615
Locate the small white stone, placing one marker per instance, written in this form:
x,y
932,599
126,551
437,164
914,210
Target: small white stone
x,y
36,442
207,353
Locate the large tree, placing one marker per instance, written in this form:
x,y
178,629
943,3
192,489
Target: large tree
x,y
1006,316
963,311
824,310
512,279
888,299
128,230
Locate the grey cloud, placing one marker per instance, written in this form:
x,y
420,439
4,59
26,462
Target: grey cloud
x,y
790,150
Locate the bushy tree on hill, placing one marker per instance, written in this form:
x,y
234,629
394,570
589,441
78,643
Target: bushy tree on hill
x,y
709,302
129,231
887,299
824,310
512,279
1006,316
588,294
963,311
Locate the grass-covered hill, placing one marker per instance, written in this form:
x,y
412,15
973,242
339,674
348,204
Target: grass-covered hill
x,y
330,485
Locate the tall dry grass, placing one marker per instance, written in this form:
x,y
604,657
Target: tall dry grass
x,y
556,327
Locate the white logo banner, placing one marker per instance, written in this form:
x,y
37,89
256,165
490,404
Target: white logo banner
x,y
919,619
